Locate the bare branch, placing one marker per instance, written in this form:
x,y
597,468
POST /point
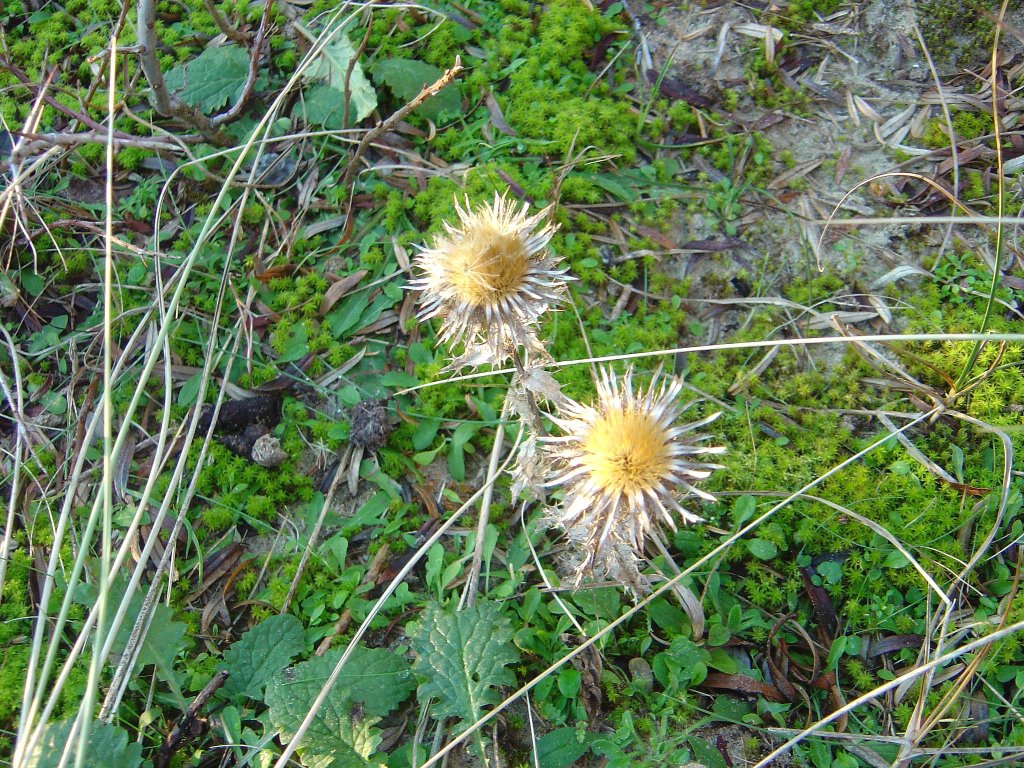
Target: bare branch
x,y
386,125
38,142
222,24
250,80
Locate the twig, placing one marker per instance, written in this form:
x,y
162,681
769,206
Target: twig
x,y
473,582
338,473
222,24
82,117
41,141
150,65
166,103
183,727
250,80
398,116
351,67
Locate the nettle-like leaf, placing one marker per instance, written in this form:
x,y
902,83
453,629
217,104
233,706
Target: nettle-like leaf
x,y
161,644
109,747
406,78
325,105
372,683
213,79
261,653
462,655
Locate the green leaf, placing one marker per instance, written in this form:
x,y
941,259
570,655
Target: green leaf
x,y
407,77
325,107
372,683
706,754
398,379
212,79
376,678
338,735
161,643
669,619
461,657
762,549
569,682
723,662
108,747
561,747
896,559
743,508
261,653
425,434
190,389
347,315
332,67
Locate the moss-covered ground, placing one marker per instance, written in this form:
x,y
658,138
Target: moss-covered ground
x,y
889,550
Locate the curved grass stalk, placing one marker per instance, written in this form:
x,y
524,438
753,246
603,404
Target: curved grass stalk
x,y
906,677
92,683
1000,203
1017,338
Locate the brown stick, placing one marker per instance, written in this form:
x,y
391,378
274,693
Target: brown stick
x,y
250,80
182,729
40,141
399,115
222,24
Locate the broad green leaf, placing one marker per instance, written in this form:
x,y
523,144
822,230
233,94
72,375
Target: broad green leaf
x,y
259,654
762,549
190,389
705,753
461,657
160,645
896,559
339,736
332,67
398,379
324,107
407,77
347,315
375,678
562,747
213,79
108,747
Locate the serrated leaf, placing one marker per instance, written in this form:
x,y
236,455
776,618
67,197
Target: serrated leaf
x,y
462,657
161,644
332,67
212,79
406,78
109,747
376,678
339,736
259,654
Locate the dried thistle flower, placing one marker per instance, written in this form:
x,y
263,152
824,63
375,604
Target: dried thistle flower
x,y
625,464
489,280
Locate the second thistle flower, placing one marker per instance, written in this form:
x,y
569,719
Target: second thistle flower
x,y
489,280
626,462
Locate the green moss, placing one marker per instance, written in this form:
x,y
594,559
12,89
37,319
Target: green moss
x,y
958,32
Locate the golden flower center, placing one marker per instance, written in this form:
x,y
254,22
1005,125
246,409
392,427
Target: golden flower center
x,y
626,452
486,267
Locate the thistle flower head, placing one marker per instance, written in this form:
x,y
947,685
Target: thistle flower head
x,y
626,463
489,280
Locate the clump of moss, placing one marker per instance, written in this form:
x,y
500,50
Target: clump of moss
x,y
958,33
